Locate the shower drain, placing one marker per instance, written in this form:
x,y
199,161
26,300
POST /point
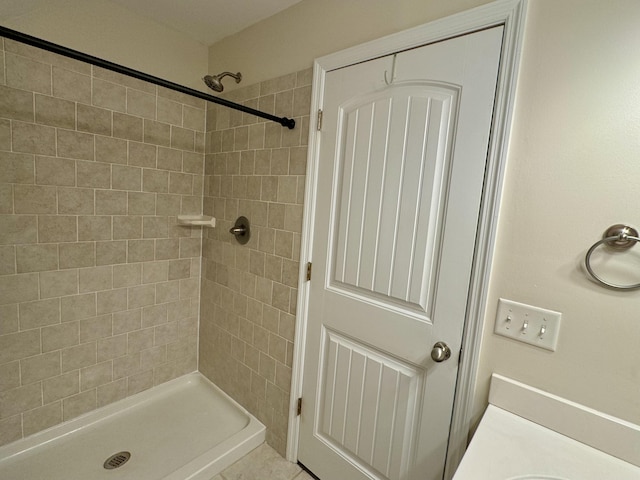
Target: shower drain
x,y
116,460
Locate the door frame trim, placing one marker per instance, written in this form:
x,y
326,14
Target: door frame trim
x,y
511,14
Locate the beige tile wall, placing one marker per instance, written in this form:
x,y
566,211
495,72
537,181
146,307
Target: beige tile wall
x,y
99,288
257,169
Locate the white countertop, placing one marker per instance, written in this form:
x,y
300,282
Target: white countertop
x,y
508,447
528,433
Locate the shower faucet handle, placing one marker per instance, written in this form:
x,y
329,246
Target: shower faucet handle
x,y
241,230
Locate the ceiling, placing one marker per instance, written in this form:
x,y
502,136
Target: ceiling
x,y
205,21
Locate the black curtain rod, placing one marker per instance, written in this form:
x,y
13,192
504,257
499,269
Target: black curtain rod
x,y
99,62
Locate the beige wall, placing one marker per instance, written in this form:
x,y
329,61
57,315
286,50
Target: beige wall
x,y
572,171
109,31
99,288
289,41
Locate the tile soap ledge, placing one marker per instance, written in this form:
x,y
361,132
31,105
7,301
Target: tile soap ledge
x,y
197,220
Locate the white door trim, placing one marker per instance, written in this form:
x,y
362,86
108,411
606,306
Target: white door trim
x,y
511,14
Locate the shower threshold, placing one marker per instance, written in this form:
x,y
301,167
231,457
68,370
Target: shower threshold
x,y
183,429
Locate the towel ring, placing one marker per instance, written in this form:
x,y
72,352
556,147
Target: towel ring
x,y
618,237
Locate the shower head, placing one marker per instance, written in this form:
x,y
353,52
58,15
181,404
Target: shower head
x,y
214,81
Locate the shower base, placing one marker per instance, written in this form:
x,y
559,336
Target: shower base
x,y
183,429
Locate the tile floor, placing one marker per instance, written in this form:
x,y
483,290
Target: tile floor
x,y
263,463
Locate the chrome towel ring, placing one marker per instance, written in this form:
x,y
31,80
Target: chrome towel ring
x,y
618,237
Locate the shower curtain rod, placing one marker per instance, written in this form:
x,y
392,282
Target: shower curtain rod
x,y
99,62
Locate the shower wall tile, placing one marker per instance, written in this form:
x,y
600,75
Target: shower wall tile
x,y
51,229
32,199
94,228
31,138
71,85
11,429
247,321
99,286
16,104
125,81
76,405
169,159
39,313
10,376
169,111
182,98
141,104
58,283
110,253
127,126
7,260
111,392
19,345
36,258
182,138
95,328
93,119
16,168
55,171
55,112
18,288
139,382
72,360
194,118
57,337
109,95
44,56
39,367
157,133
41,418
8,319
111,150
6,199
26,74
2,69
19,399
76,145
77,307
76,201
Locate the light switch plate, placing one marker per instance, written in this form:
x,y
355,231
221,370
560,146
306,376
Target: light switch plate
x,y
526,323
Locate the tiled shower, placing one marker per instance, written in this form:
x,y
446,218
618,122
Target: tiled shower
x,y
255,169
102,294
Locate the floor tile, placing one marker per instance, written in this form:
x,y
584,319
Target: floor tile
x,y
303,476
262,463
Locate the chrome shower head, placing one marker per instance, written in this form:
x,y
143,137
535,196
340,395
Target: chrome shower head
x,y
214,81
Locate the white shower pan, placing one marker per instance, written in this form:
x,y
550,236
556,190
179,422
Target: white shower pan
x,y
183,429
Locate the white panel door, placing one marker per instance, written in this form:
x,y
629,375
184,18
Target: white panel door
x,y
399,187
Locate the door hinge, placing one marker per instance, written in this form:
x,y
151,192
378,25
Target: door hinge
x,y
319,122
308,271
299,411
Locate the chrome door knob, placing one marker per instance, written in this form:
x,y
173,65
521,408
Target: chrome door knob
x,y
440,352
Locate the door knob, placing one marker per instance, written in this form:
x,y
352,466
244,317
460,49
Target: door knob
x,y
440,352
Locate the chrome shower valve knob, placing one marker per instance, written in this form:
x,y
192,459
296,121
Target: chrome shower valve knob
x,y
241,230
